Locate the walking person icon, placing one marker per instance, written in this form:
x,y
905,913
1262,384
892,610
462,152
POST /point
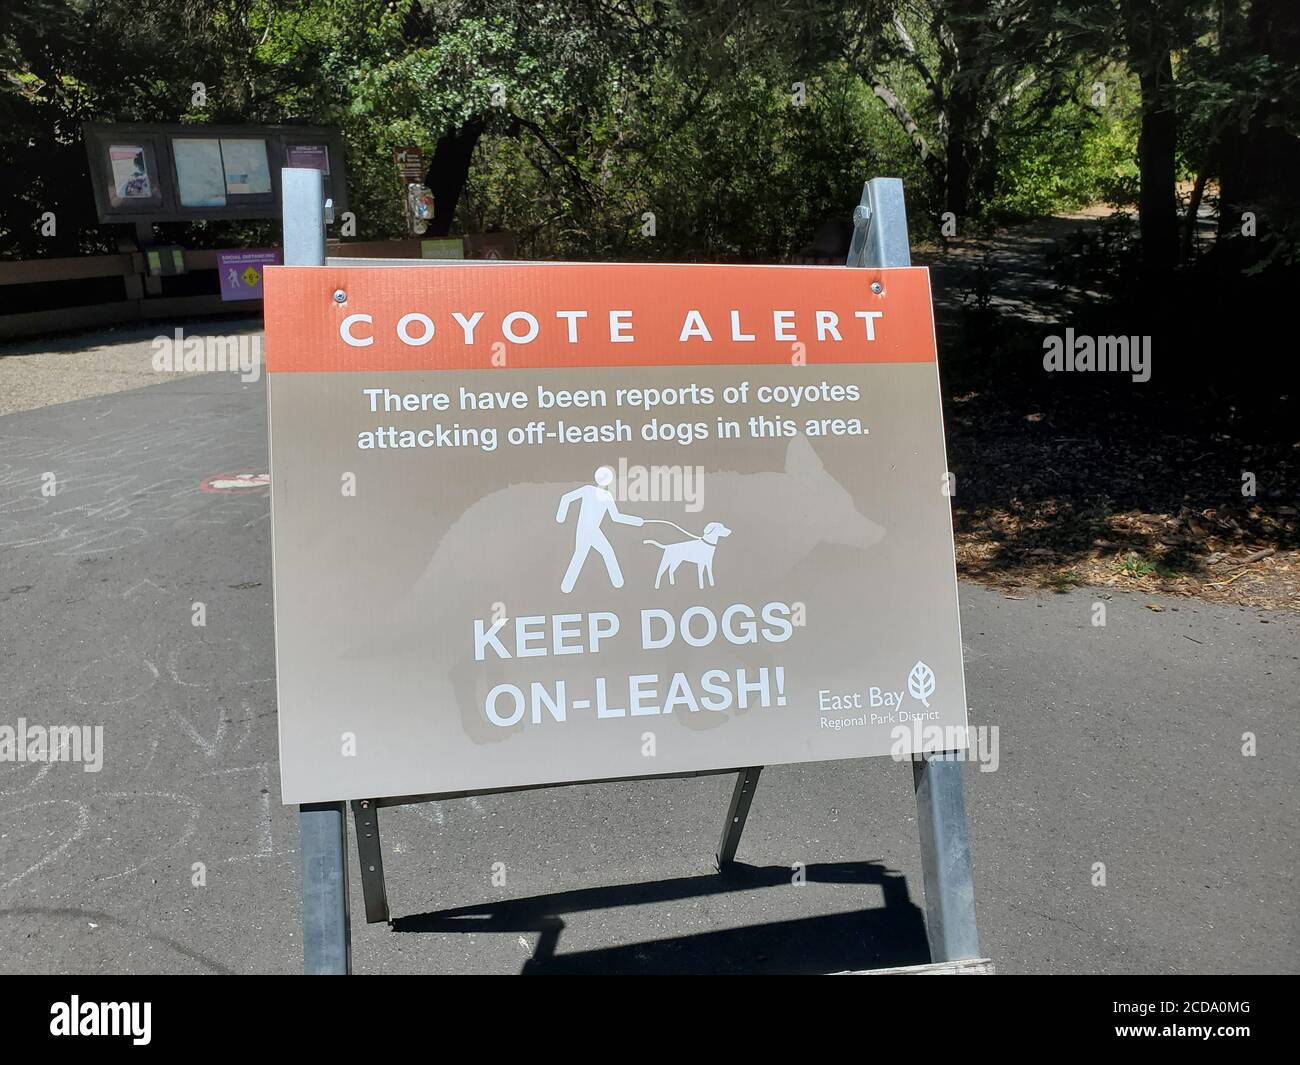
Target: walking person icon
x,y
595,501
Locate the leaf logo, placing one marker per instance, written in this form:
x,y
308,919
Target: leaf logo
x,y
920,683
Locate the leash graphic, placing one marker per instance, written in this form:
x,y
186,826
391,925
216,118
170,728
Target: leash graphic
x,y
664,521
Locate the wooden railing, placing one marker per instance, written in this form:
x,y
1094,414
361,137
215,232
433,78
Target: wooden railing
x,y
137,303
141,299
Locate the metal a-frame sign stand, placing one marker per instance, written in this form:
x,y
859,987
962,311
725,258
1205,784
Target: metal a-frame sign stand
x,y
879,240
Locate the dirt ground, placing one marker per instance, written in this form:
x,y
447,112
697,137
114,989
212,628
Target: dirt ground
x,y
43,371
1099,483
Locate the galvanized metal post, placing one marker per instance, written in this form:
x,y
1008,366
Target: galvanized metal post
x,y
326,928
880,240
945,858
303,194
326,931
880,226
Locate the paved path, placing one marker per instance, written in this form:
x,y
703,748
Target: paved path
x,y
43,371
1119,745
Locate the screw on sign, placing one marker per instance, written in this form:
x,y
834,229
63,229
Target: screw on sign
x,y
235,483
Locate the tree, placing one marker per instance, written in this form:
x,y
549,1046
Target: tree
x,y
1149,37
973,61
463,69
1244,109
65,62
1146,35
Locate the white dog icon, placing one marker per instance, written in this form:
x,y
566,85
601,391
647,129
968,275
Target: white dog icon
x,y
698,549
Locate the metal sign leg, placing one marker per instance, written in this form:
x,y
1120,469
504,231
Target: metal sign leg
x,y
880,226
880,240
304,217
945,858
326,933
366,813
737,810
326,939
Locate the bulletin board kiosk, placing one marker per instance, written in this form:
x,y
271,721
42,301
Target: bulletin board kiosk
x,y
148,172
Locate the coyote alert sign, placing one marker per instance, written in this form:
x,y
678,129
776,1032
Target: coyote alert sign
x,y
541,523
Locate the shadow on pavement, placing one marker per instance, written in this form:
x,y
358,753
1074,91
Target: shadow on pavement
x,y
108,336
859,939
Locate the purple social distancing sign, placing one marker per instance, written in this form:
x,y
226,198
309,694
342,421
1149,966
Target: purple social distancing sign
x,y
242,271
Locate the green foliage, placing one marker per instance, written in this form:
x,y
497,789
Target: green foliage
x,y
595,113
64,62
736,172
1083,153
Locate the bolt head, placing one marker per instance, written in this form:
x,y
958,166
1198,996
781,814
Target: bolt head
x,y
340,296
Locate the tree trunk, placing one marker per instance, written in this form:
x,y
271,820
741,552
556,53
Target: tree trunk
x,y
957,179
1191,219
448,172
1157,205
1147,33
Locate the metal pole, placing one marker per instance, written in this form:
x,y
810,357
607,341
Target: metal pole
x,y
945,858
304,217
879,241
326,931
144,241
880,226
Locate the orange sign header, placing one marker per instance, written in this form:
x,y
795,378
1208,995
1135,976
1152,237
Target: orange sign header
x,y
542,315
